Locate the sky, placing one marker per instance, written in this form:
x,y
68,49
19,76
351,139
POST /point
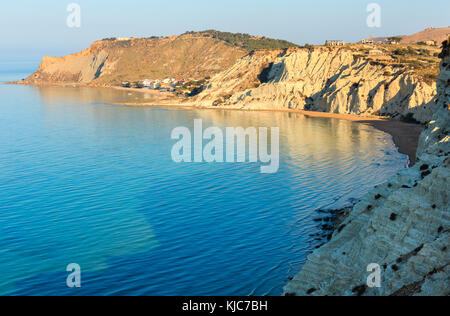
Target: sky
x,y
31,29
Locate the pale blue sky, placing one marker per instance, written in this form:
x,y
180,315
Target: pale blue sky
x,y
30,28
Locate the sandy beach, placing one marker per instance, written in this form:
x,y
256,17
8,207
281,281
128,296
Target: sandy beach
x,y
405,135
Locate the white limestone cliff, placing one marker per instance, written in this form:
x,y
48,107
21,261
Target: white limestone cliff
x,y
403,225
320,79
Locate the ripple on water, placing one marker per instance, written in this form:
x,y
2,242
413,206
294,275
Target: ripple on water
x,y
84,182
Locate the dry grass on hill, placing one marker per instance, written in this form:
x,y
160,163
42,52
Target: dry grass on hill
x,y
421,59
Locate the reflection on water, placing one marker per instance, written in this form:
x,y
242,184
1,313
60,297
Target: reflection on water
x,y
57,94
85,182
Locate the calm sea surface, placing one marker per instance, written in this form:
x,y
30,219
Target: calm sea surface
x,y
86,182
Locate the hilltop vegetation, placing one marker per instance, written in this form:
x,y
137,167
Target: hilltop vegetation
x,y
246,41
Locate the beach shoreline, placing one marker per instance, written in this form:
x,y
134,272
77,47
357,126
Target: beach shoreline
x,y
404,135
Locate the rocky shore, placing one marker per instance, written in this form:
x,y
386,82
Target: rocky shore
x,y
402,225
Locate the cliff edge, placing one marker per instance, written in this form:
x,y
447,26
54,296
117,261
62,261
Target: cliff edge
x,y
403,225
109,62
337,80
192,55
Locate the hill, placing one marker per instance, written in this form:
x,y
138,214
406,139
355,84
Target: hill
x,y
344,80
193,55
430,34
111,61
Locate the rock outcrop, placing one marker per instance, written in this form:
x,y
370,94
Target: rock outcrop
x,y
321,79
403,225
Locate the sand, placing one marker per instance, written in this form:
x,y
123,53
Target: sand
x,y
405,135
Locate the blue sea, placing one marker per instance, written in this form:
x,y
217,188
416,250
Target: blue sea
x,y
85,181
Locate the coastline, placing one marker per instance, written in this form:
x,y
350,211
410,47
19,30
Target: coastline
x,y
404,135
401,225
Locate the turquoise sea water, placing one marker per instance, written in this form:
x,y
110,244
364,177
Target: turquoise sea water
x,y
86,182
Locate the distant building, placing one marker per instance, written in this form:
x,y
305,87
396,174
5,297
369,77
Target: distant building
x,y
367,41
390,42
334,43
430,43
123,39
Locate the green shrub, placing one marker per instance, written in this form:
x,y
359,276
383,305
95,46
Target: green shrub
x,y
246,41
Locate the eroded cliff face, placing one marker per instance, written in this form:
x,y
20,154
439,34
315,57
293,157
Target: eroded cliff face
x,y
82,67
109,62
321,79
403,225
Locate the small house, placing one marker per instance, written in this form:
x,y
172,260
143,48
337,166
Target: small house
x,y
367,41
